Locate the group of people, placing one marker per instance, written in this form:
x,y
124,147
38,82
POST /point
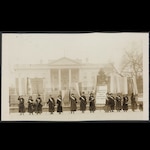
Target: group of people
x,y
119,103
37,105
32,106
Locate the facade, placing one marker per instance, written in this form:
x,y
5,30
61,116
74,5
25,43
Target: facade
x,y
55,76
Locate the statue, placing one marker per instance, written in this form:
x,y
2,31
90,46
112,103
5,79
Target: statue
x,y
101,78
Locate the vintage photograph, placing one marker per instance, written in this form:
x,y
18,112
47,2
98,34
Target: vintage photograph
x,y
75,76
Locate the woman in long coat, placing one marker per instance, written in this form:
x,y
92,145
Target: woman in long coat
x,y
107,103
21,105
118,103
83,102
30,105
133,102
39,105
51,104
92,103
125,103
111,102
59,104
73,103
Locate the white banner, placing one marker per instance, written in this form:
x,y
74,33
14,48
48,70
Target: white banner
x,y
63,93
125,86
135,90
76,85
118,83
20,86
29,86
101,94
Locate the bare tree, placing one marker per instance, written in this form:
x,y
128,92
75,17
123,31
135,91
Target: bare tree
x,y
132,61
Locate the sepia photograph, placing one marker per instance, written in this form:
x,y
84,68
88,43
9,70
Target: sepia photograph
x,y
75,76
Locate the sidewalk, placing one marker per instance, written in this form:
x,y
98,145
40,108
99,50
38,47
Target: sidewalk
x,y
98,115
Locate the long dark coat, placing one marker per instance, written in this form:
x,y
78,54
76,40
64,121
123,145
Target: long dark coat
x,y
133,103
92,103
118,103
21,105
38,107
73,102
107,105
51,104
125,103
30,106
83,103
111,102
59,105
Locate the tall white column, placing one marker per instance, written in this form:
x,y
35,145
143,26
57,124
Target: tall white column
x,y
69,78
25,85
20,85
59,79
49,79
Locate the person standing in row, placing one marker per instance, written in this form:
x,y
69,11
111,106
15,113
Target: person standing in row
x,y
118,102
125,103
92,103
51,104
59,104
73,103
30,105
111,102
39,105
133,102
107,103
83,102
21,105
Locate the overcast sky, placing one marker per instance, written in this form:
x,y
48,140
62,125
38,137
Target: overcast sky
x,y
97,47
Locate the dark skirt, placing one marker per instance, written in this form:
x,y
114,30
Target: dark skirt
x,y
51,108
73,106
30,108
82,105
21,108
125,106
92,106
133,106
118,105
59,108
38,108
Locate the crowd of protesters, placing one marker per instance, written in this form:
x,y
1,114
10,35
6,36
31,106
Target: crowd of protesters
x,y
118,103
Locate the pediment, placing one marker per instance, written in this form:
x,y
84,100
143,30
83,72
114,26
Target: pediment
x,y
64,61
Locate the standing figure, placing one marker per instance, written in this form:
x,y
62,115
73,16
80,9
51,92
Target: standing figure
x,y
141,107
21,105
59,104
39,105
133,102
51,104
125,103
83,102
92,103
107,103
73,103
30,105
118,103
111,102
